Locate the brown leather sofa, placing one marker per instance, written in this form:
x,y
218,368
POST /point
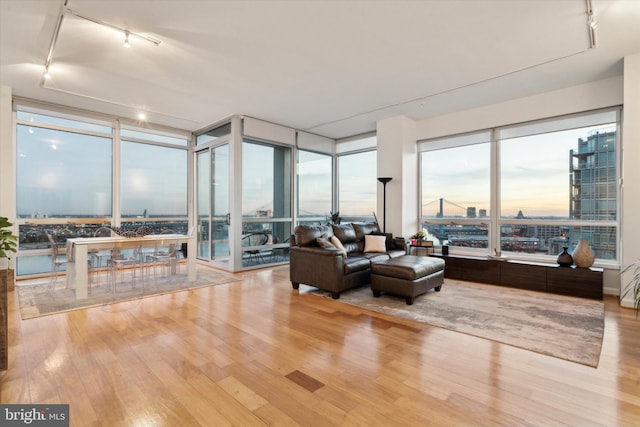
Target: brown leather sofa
x,y
327,268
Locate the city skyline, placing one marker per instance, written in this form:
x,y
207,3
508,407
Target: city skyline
x,y
532,181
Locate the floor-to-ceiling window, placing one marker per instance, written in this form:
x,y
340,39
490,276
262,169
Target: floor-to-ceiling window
x,y
266,202
357,183
357,186
70,181
153,181
315,183
455,191
64,172
526,190
558,184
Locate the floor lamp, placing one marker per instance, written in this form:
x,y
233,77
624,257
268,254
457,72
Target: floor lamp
x,y
384,202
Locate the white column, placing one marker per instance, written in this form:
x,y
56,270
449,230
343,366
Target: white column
x,y
235,193
7,156
630,226
398,159
7,165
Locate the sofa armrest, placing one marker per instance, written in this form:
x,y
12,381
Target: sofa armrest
x,y
393,243
314,266
398,243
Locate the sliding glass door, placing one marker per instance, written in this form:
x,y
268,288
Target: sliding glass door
x,y
213,203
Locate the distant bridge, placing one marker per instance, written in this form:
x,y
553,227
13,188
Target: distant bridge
x,y
444,208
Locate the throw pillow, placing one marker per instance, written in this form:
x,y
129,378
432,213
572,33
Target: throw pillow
x,y
338,244
323,242
374,243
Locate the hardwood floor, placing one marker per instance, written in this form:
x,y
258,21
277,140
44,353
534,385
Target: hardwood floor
x,y
255,352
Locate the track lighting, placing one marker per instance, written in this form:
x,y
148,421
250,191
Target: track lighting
x,y
125,31
591,24
64,11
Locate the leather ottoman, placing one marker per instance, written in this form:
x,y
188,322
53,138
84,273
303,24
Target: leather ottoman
x,y
407,276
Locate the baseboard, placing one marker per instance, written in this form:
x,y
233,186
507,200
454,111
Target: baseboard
x,y
611,290
627,302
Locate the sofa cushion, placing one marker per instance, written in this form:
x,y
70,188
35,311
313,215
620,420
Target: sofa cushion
x,y
306,235
357,263
408,267
338,244
344,232
323,242
374,243
364,228
374,257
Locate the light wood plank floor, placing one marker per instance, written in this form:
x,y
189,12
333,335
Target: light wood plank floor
x,y
257,353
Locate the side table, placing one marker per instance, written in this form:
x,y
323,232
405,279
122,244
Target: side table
x,y
425,245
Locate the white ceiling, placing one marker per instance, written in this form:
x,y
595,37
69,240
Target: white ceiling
x,y
327,67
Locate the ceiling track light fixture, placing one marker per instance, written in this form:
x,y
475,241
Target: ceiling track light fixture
x,y
127,33
591,24
63,11
47,63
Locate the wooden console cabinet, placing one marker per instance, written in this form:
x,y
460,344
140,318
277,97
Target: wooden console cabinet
x,y
571,281
4,320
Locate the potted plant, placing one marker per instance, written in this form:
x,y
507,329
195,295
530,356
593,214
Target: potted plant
x,y
420,239
8,243
335,218
633,286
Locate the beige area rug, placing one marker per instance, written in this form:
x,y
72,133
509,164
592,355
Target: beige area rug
x,y
36,299
564,327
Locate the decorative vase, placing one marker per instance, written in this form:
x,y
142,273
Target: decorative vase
x,y
583,256
565,259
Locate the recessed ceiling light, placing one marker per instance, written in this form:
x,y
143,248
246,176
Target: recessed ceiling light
x,y
142,116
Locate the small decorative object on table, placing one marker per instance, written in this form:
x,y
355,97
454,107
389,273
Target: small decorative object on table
x,y
583,255
565,259
419,240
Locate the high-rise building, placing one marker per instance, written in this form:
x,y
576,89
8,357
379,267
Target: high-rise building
x,y
593,189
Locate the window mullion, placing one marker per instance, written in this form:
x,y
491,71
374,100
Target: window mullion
x,y
494,216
